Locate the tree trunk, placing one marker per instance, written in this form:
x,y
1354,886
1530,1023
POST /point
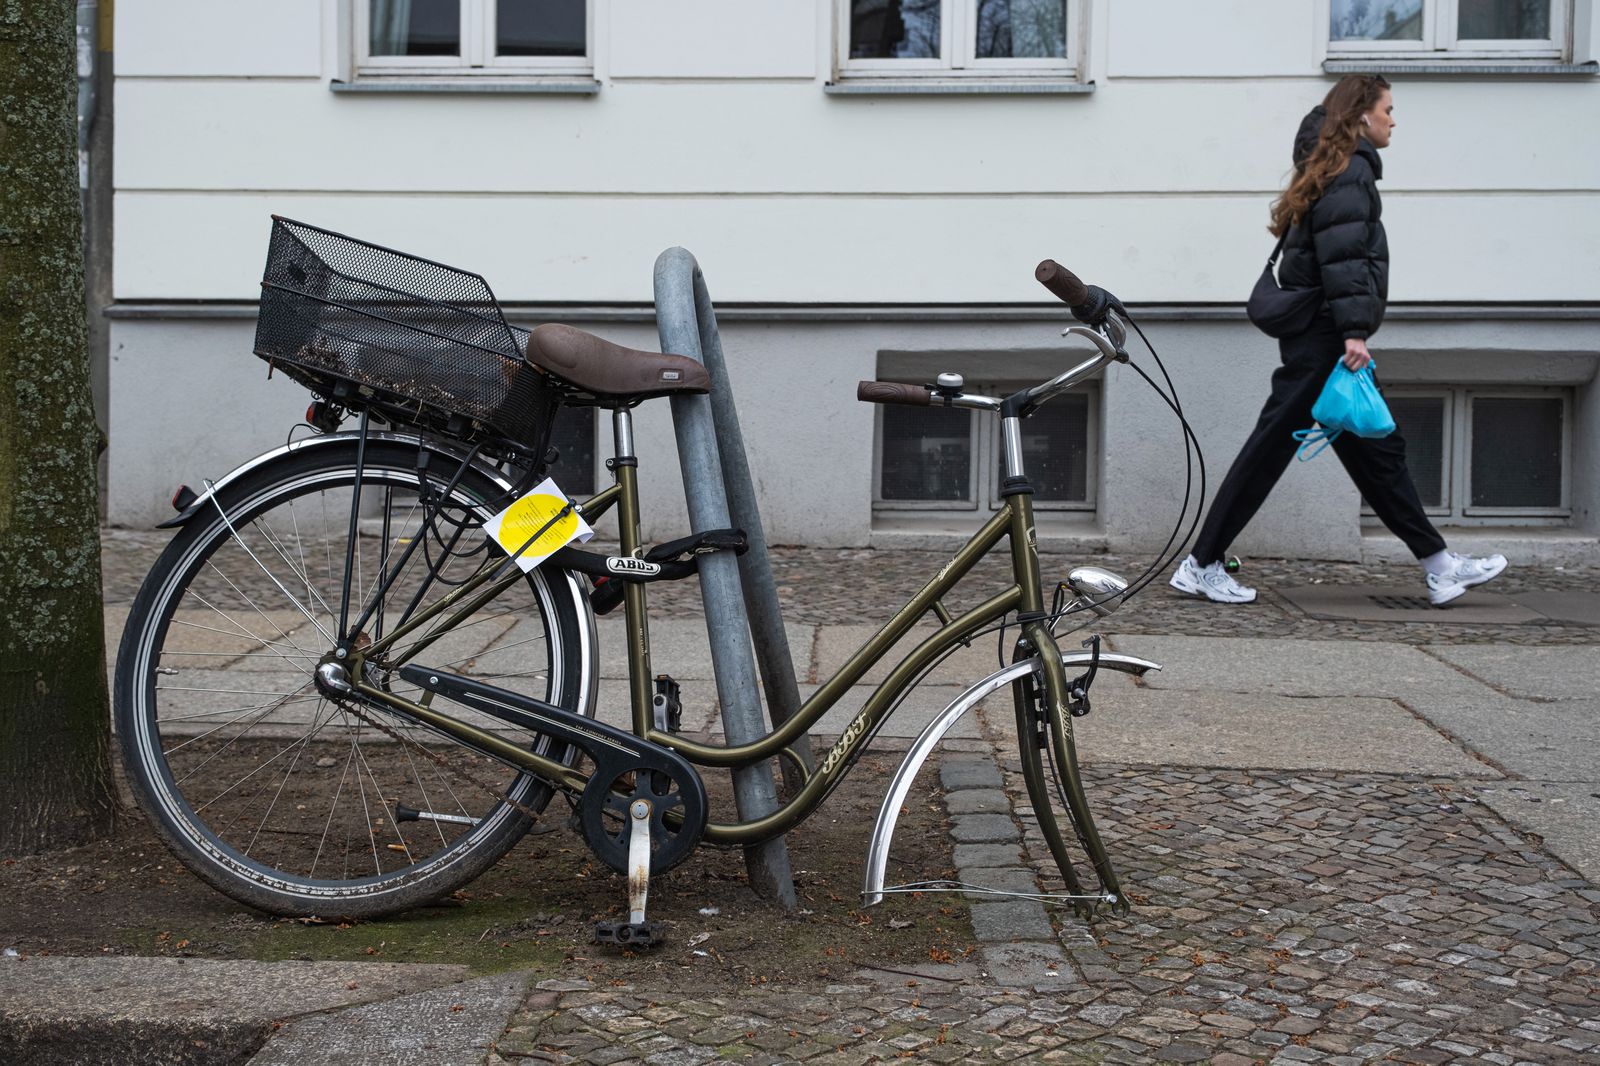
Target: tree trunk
x,y
55,788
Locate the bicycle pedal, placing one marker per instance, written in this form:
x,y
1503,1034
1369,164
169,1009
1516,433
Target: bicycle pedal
x,y
667,705
629,934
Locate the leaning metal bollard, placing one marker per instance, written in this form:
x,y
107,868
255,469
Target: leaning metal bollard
x,y
755,565
686,326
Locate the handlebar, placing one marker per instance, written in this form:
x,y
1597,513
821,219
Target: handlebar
x,y
1090,304
1063,282
893,392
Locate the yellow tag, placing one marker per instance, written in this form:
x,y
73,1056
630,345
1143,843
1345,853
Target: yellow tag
x,y
533,528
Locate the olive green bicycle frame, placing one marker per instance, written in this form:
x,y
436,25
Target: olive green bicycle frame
x,y
1014,520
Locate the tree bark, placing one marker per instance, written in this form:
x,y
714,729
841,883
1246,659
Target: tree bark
x,y
55,784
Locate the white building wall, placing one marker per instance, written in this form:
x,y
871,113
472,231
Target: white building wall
x,y
712,129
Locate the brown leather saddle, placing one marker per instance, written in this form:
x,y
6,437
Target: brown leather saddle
x,y
609,375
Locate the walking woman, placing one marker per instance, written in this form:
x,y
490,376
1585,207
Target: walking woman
x,y
1332,215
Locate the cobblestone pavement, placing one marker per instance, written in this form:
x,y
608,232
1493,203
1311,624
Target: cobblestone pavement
x,y
1279,916
1332,918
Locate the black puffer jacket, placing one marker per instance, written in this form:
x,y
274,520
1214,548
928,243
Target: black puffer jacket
x,y
1341,245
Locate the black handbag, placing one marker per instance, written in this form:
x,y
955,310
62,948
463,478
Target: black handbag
x,y
1280,312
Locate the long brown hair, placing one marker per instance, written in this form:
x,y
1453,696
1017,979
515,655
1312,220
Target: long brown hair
x,y
1346,102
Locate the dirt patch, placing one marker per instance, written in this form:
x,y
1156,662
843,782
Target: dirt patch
x,y
537,907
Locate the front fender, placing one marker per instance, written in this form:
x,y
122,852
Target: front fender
x,y
900,785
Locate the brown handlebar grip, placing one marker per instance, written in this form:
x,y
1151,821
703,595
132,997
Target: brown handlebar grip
x,y
1063,282
893,392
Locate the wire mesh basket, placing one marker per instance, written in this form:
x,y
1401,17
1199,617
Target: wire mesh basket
x,y
415,341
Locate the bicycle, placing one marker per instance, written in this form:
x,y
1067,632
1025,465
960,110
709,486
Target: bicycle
x,y
336,694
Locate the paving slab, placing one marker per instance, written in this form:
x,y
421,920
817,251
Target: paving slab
x,y
835,645
1535,673
680,647
1567,816
1263,731
125,1010
452,1026
1390,603
1292,667
1542,741
907,722
614,706
1582,608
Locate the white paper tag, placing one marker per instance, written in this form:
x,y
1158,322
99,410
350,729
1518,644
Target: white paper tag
x,y
522,522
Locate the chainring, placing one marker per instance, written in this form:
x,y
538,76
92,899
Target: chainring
x,y
677,816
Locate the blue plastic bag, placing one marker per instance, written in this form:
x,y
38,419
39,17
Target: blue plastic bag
x,y
1350,400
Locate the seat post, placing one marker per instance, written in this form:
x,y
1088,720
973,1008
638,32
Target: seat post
x,y
622,433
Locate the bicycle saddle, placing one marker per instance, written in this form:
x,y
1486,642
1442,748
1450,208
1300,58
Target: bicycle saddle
x,y
611,373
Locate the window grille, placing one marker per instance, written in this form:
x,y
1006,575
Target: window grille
x,y
1488,456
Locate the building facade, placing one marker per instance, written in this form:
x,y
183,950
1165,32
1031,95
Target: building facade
x,y
867,185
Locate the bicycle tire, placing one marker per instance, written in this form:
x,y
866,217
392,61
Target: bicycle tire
x,y
240,607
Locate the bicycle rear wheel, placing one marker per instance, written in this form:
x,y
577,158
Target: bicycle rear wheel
x,y
276,795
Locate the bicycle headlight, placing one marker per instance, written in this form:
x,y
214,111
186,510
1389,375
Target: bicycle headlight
x,y
1099,590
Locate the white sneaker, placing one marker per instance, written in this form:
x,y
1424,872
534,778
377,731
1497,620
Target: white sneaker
x,y
1212,582
1465,571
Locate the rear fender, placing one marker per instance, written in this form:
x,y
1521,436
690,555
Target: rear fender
x,y
322,440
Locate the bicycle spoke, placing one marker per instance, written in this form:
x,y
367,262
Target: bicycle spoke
x,y
274,578
168,719
304,745
265,709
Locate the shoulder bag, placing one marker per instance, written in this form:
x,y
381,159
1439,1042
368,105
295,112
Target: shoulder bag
x,y
1280,312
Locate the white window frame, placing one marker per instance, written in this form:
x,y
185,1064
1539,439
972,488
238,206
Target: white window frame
x,y
1440,21
1457,431
478,58
1447,459
953,506
957,48
1564,508
983,480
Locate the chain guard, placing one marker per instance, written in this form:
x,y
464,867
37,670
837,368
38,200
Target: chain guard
x,y
677,816
626,768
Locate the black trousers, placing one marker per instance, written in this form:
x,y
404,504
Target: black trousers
x,y
1376,464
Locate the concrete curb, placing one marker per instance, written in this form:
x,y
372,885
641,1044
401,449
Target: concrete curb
x,y
183,1012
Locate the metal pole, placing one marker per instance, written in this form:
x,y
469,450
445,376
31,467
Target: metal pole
x,y
755,565
677,284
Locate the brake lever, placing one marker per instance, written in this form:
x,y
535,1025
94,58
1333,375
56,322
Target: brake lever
x,y
1111,350
1078,691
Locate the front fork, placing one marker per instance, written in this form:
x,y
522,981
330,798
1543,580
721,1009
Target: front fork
x,y
1044,718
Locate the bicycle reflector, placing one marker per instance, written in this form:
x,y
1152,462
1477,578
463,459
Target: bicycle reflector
x,y
183,498
324,416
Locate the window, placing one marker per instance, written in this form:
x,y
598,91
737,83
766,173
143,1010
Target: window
x,y
949,459
460,37
957,37
1488,456
1425,29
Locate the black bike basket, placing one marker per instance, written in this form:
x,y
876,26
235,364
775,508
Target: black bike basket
x,y
415,341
